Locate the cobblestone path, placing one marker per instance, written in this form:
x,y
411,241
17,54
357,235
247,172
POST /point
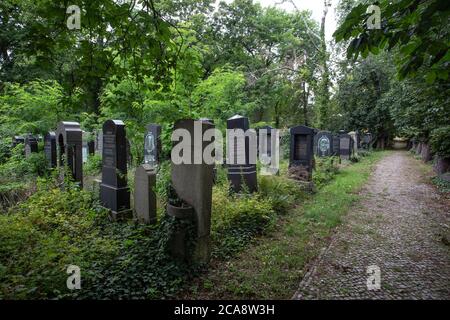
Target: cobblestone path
x,y
401,225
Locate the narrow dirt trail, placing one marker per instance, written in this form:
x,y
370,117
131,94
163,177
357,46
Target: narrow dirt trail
x,y
398,226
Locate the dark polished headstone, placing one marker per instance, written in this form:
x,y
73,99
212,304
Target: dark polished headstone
x,y
241,174
301,149
152,144
31,145
114,191
50,148
193,184
336,145
70,148
346,146
323,144
91,147
144,194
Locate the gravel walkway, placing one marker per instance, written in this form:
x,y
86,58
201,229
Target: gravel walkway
x,y
402,226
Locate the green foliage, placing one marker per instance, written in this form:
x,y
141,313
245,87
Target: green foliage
x,y
440,141
325,170
417,29
441,184
93,166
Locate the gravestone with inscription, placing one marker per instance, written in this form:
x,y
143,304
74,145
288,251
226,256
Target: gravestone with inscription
x,y
144,194
152,144
50,148
346,146
192,181
324,144
241,154
301,152
99,142
31,145
114,191
69,149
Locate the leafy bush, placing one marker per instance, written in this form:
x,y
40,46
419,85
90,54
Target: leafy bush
x,y
93,166
440,141
326,169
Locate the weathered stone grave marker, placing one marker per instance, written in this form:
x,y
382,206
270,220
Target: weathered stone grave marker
x,y
69,143
336,145
31,145
144,194
114,191
301,159
241,165
193,184
50,148
355,142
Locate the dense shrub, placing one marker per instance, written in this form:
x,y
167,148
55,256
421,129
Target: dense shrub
x,y
326,169
440,141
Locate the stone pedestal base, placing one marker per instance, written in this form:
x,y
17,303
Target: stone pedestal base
x,y
115,199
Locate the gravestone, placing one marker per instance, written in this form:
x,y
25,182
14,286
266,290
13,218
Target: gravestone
x,y
50,148
144,194
17,140
336,145
69,145
114,191
241,166
345,146
366,141
301,156
99,142
193,184
152,144
215,168
324,144
91,147
31,145
85,147
354,136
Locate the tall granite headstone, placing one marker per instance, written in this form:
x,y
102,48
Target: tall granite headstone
x,y
69,145
355,142
301,151
17,140
241,169
144,194
50,148
193,184
31,145
114,191
152,144
324,144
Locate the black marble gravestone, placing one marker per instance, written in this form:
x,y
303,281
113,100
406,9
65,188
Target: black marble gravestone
x,y
70,148
114,191
346,146
31,145
50,148
152,144
241,169
301,149
323,144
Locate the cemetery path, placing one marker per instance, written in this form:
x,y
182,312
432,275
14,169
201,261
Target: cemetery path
x,y
401,225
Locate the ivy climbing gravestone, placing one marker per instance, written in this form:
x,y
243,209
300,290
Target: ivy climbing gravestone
x,y
50,148
69,145
114,191
241,154
324,146
301,153
192,180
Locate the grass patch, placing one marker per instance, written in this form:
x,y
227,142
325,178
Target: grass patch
x,y
273,266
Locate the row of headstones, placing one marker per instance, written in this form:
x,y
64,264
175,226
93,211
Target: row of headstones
x,y
192,182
